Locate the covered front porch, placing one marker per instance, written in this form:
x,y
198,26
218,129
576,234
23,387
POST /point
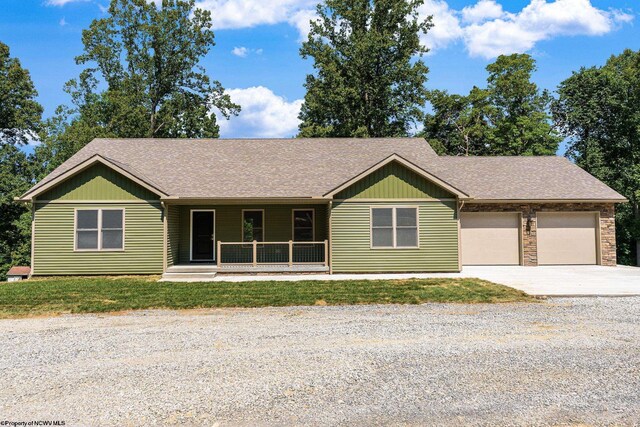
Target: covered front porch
x,y
238,237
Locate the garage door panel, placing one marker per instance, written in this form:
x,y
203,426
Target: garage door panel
x,y
490,238
567,238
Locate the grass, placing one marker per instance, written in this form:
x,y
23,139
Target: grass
x,y
52,296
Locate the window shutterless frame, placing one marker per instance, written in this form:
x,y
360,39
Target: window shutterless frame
x,y
98,230
394,227
313,223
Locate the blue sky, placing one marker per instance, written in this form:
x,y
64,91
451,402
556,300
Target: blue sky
x,y
256,55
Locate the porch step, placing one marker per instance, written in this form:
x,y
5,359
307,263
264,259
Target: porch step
x,y
177,277
193,268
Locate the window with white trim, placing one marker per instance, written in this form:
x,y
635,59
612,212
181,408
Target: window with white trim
x,y
303,225
99,229
394,227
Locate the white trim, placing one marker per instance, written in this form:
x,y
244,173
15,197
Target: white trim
x,y
293,224
213,241
98,230
85,165
394,157
394,227
264,224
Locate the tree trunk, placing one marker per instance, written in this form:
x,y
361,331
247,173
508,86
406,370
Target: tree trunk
x,y
152,125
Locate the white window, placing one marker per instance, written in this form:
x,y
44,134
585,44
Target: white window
x,y
394,227
99,229
253,225
303,225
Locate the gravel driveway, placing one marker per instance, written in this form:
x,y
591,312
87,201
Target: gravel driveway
x,y
562,361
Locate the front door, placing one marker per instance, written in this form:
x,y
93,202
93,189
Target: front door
x,y
203,239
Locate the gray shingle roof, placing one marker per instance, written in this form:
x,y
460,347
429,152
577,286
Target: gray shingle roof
x,y
300,168
522,178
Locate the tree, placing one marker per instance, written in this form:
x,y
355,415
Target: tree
x,y
509,117
598,110
367,81
520,118
16,176
20,113
148,58
20,117
458,125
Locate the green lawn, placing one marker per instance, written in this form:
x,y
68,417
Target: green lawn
x,y
102,294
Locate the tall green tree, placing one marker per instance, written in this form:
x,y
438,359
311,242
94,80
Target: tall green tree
x,y
520,110
143,78
598,110
20,116
367,80
20,113
509,117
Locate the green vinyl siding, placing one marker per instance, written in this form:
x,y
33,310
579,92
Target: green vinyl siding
x,y
228,223
173,235
393,181
54,241
98,183
351,244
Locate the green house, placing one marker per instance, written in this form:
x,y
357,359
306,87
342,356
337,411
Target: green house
x,y
201,207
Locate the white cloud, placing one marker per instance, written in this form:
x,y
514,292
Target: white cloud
x,y
62,2
264,114
487,30
241,51
482,11
228,14
446,27
302,21
540,20
63,22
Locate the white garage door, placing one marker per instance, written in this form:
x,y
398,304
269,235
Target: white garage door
x,y
567,238
490,238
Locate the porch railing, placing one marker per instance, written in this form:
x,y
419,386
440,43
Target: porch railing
x,y
272,253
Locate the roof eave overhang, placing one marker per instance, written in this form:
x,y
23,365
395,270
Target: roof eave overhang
x,y
245,200
406,163
91,161
623,200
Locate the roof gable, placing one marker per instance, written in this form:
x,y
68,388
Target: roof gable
x,y
49,184
395,177
98,182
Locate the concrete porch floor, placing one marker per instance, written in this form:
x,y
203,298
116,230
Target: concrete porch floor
x,y
207,272
584,280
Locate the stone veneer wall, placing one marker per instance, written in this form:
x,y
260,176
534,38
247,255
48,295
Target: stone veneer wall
x,y
529,239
